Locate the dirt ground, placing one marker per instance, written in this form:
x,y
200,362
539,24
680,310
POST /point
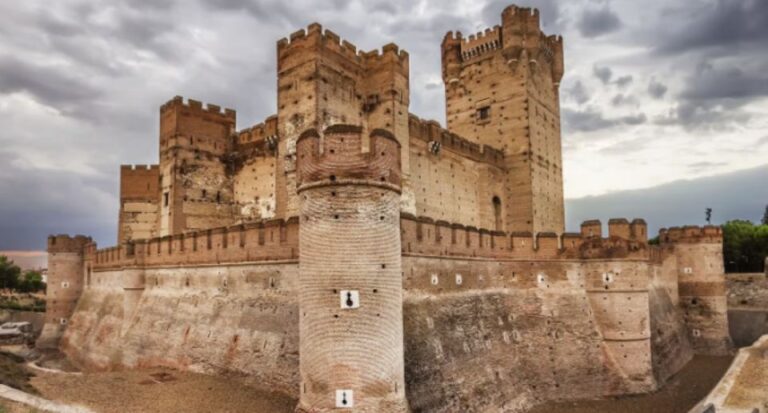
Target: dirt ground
x,y
170,391
158,390
10,407
680,394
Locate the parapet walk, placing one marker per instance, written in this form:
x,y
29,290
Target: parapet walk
x,y
278,240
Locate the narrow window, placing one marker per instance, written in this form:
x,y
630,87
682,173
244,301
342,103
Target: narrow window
x,y
484,113
497,212
165,199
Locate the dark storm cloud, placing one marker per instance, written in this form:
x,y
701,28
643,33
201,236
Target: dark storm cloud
x,y
597,22
603,73
52,85
657,89
713,96
721,24
591,120
736,195
715,83
43,203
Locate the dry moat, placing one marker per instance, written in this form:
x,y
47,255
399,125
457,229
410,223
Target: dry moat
x,y
170,391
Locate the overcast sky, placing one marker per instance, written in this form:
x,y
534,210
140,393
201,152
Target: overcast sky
x,y
655,90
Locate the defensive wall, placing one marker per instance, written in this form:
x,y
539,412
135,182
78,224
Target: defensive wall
x,y
747,307
573,316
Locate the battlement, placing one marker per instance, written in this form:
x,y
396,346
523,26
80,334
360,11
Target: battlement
x,y
637,230
424,236
519,32
691,234
315,38
195,107
259,132
138,168
524,19
474,45
269,240
339,158
66,243
431,131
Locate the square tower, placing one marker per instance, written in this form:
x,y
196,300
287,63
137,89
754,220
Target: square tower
x,y
323,81
196,192
502,90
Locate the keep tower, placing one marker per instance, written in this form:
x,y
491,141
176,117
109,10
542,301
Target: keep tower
x,y
323,81
350,272
502,90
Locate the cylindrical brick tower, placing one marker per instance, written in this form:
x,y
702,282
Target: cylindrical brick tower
x,y
350,281
66,273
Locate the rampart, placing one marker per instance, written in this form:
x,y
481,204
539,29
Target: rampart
x,y
568,307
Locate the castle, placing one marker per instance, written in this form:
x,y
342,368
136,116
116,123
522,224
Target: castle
x,y
362,259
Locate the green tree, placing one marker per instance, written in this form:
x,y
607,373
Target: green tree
x,y
765,216
9,273
745,246
32,281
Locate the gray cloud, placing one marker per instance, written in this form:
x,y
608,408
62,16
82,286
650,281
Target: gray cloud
x,y
597,22
624,80
720,24
657,89
549,12
712,97
50,84
578,92
42,197
603,73
590,120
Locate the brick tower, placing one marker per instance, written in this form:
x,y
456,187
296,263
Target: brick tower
x,y
323,81
701,285
195,191
67,274
502,90
350,281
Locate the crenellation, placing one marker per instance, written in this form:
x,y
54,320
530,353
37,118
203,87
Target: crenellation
x,y
199,108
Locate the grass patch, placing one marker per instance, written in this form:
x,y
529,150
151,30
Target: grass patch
x,y
13,373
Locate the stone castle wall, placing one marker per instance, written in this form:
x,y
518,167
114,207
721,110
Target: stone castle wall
x,y
573,316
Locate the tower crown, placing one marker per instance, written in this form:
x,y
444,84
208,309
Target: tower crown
x,y
338,158
519,32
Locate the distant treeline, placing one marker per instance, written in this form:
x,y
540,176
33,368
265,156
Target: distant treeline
x,y
745,246
14,279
